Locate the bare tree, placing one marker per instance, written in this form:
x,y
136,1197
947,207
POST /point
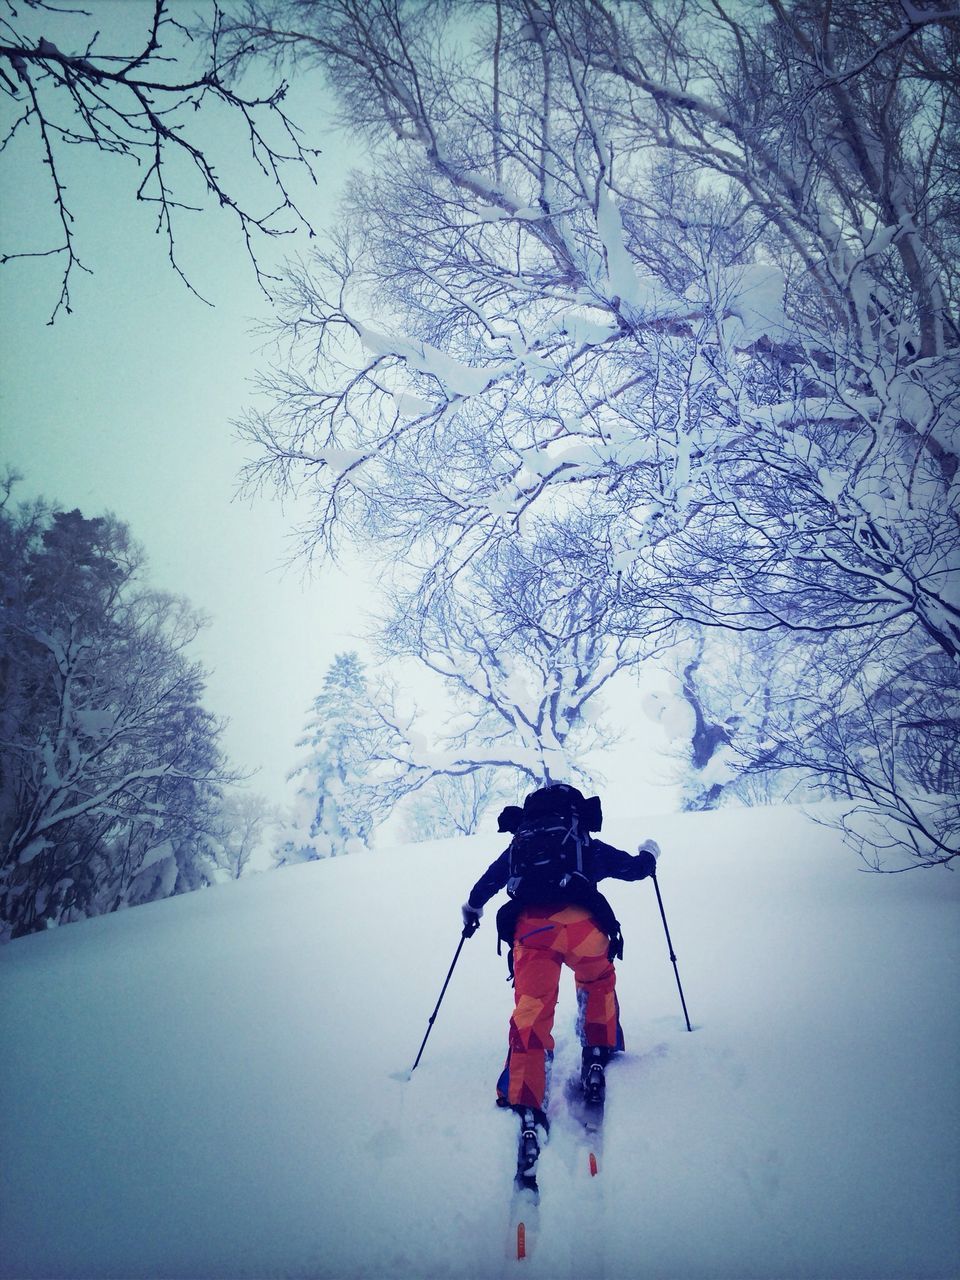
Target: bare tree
x,y
452,805
862,717
143,106
244,820
524,663
690,269
530,304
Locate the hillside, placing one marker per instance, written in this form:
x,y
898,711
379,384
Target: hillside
x,y
203,1087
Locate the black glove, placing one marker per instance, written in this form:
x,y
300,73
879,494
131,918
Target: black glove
x,y
471,919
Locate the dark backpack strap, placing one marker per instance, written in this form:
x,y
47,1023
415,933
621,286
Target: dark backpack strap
x,y
579,840
615,949
507,918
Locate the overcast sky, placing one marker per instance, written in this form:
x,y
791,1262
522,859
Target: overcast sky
x,y
126,405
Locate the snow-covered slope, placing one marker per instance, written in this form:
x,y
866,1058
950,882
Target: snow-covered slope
x,y
203,1087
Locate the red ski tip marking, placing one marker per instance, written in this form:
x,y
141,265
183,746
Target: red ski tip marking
x,y
593,1165
521,1240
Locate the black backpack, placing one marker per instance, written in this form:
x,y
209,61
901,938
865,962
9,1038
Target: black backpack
x,y
551,840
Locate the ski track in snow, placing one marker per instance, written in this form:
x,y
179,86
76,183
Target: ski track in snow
x,y
201,1088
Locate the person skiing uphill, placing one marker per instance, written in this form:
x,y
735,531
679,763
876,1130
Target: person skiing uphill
x,y
557,916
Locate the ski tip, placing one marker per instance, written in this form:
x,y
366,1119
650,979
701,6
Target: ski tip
x,y
521,1241
594,1167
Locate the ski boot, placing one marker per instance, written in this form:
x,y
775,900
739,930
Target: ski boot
x,y
533,1123
592,1079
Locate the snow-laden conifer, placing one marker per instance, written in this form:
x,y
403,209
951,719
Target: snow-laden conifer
x,y
335,759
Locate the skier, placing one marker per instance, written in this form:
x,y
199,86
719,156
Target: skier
x,y
556,916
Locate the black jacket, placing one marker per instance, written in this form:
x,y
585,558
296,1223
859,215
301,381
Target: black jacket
x,y
601,861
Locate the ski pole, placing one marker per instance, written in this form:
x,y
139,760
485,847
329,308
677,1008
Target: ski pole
x,y
443,992
673,957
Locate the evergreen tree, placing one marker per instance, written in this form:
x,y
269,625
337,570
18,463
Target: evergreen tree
x,y
336,738
110,767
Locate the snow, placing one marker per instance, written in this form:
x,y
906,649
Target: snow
x,y
493,213
757,305
584,331
671,711
202,1087
341,460
34,849
412,406
620,271
159,853
456,378
832,482
93,723
723,766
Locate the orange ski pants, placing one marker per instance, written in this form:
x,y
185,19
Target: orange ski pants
x,y
545,940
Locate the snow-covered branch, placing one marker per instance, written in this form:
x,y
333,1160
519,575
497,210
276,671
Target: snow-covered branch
x,y
691,280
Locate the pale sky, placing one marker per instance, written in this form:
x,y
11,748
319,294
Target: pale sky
x,y
126,405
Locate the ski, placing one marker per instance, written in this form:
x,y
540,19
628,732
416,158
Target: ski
x,y
524,1221
583,1130
525,1205
585,1105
